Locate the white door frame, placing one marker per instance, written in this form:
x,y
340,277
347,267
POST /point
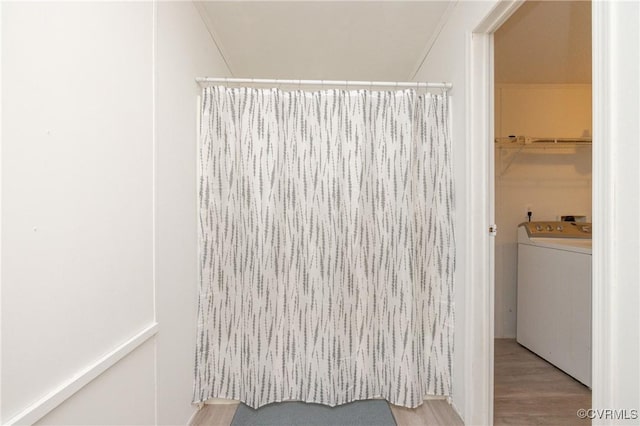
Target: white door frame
x,y
479,288
616,106
616,179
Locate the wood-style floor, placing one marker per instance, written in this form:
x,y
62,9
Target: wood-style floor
x,y
432,412
530,391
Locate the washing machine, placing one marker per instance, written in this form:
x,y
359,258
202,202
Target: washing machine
x,y
554,294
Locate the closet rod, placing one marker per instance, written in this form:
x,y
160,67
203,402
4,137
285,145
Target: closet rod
x,y
206,80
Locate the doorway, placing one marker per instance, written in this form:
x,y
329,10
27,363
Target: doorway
x,y
542,172
615,177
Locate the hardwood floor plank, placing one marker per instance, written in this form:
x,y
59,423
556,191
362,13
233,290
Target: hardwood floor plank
x,y
530,391
409,416
432,412
444,413
215,415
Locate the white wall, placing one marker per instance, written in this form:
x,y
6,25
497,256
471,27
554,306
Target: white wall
x,y
552,182
543,110
616,244
77,179
447,61
185,51
121,396
89,164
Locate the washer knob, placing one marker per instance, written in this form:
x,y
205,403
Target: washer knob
x,y
549,228
538,228
559,228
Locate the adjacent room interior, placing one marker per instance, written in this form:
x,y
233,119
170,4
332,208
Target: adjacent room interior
x,y
543,186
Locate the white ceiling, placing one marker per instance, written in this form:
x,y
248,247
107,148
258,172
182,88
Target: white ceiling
x,y
545,42
330,40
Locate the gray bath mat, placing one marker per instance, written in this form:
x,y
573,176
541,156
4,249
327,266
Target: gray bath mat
x,y
360,413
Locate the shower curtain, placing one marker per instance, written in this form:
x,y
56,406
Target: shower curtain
x,y
326,246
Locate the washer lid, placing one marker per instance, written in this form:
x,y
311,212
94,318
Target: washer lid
x,y
557,229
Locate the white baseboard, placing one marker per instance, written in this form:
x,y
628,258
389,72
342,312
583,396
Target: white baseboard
x,y
437,397
57,396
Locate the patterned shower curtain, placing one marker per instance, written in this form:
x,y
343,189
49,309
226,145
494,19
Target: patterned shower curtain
x,y
326,246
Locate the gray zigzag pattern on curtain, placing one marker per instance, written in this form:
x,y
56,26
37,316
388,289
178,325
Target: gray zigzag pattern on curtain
x,y
326,246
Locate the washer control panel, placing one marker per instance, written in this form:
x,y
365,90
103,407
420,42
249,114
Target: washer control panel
x,y
558,229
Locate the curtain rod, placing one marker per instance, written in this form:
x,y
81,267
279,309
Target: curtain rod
x,y
416,84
